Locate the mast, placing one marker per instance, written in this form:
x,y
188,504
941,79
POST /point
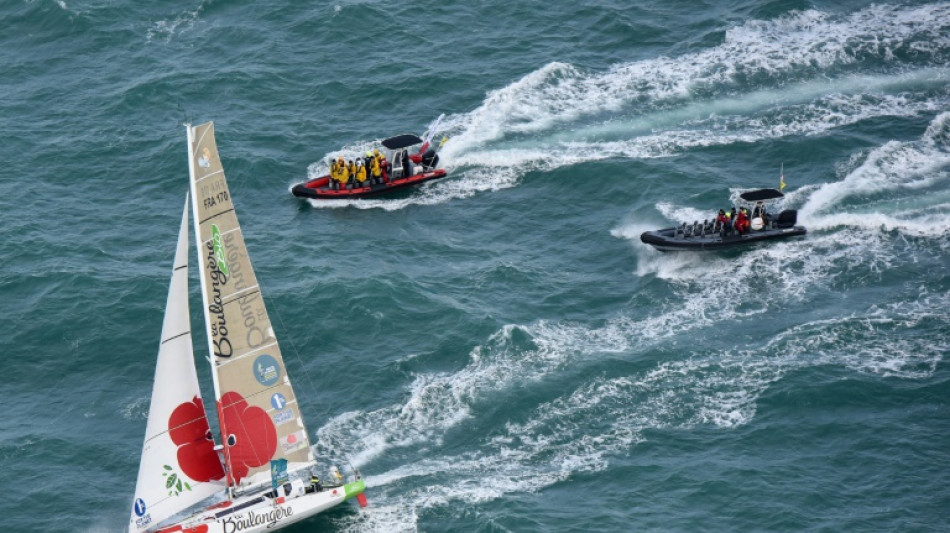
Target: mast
x,y
204,291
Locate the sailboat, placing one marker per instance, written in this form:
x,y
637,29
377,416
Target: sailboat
x,y
263,475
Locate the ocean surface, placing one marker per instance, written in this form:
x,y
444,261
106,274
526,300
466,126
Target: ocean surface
x,y
498,351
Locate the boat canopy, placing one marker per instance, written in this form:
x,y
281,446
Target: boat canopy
x,y
402,141
761,195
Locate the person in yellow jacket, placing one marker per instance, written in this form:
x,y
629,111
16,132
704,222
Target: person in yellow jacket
x,y
351,170
343,173
334,173
381,160
375,171
360,173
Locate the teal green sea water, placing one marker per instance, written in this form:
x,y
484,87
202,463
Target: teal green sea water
x,y
497,351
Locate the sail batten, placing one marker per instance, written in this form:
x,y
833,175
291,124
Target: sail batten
x,y
221,214
211,175
234,296
215,216
169,339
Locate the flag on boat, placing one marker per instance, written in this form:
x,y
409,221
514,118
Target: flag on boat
x,y
781,180
278,472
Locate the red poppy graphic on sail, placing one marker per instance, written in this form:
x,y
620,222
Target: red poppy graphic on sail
x,y
250,438
188,428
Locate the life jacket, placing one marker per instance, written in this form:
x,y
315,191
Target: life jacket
x,y
742,221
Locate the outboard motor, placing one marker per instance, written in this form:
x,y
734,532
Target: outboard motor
x,y
430,159
787,218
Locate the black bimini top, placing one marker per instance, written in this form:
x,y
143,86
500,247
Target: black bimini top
x,y
403,141
761,195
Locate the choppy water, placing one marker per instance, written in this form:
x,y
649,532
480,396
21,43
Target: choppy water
x,y
498,351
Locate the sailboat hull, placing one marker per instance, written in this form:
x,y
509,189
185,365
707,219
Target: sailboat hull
x,y
255,514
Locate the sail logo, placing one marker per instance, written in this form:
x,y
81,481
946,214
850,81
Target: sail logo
x,y
218,244
140,510
218,272
205,160
266,370
282,417
278,400
293,442
139,507
254,520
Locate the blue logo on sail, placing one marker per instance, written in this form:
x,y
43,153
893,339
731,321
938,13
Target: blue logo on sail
x,y
266,370
139,507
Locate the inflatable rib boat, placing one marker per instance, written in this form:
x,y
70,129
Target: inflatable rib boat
x,y
401,169
712,234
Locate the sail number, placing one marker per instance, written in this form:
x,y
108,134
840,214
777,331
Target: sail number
x,y
214,199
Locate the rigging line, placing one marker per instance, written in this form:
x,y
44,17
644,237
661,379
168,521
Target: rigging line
x,y
204,416
313,388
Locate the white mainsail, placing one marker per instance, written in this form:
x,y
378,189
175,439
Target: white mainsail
x,y
257,408
179,466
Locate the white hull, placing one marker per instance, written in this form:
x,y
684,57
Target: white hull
x,y
258,513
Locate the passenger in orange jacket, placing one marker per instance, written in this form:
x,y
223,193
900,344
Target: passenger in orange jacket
x,y
742,221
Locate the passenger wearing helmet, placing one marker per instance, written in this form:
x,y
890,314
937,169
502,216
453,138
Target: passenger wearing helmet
x,y
722,218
